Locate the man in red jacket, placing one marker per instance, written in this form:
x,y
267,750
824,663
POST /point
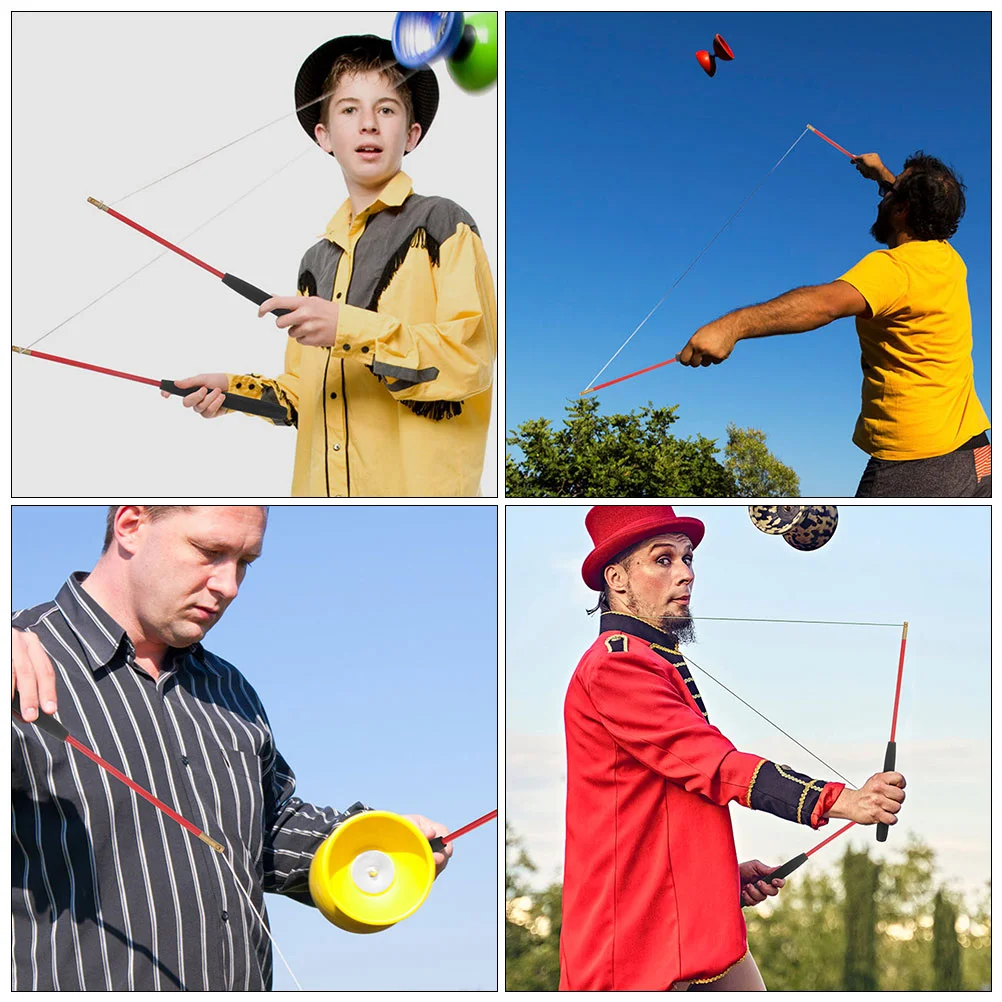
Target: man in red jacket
x,y
652,886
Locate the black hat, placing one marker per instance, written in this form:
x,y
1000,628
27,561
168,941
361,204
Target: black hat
x,y
313,75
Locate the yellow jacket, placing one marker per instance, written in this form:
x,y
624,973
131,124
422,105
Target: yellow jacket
x,y
401,404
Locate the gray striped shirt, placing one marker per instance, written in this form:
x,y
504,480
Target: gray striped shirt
x,y
108,892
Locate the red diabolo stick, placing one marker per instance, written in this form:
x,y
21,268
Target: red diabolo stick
x,y
245,289
233,401
889,760
50,725
438,843
890,755
831,142
639,372
790,865
153,236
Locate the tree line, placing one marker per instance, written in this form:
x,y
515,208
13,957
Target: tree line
x,y
634,455
864,925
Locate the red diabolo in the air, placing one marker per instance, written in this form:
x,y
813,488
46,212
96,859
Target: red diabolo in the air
x,y
721,50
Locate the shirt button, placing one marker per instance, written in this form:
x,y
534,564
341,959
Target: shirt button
x,y
338,296
225,916
184,760
333,396
335,447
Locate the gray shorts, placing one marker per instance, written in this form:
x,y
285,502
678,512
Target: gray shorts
x,y
964,473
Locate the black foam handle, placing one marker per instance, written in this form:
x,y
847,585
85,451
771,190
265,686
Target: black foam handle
x,y
251,292
45,722
787,868
436,843
235,402
889,758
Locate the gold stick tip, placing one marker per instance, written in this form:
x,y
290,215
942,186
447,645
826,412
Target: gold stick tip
x,y
211,842
99,204
811,127
904,629
20,351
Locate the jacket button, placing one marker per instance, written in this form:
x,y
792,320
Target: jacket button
x,y
338,296
333,396
365,348
335,447
347,347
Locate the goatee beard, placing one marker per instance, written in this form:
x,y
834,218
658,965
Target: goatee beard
x,y
679,628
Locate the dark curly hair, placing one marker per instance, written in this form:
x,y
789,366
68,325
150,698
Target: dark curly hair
x,y
935,197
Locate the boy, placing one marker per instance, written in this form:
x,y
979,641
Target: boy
x,y
389,365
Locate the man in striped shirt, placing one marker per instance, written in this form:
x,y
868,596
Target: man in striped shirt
x,y
108,893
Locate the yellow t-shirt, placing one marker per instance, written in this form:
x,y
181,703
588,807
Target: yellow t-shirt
x,y
918,374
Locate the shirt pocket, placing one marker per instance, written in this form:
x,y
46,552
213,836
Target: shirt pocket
x,y
238,783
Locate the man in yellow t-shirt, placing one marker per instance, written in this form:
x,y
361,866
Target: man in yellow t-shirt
x,y
921,421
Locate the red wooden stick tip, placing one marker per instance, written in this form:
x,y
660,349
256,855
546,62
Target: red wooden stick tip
x,y
468,828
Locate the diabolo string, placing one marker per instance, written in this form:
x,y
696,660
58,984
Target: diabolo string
x,y
694,260
154,260
804,747
247,135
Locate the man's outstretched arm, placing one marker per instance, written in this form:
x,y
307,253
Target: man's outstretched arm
x,y
796,311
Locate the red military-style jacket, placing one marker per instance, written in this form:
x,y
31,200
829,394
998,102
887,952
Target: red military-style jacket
x,y
651,890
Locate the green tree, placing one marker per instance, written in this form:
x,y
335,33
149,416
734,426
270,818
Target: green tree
x,y
623,456
975,938
860,876
756,471
904,907
798,938
532,924
945,946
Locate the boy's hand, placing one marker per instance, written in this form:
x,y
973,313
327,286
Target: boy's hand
x,y
755,883
208,401
313,321
878,801
32,675
430,829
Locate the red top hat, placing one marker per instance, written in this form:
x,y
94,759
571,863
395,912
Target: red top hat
x,y
617,527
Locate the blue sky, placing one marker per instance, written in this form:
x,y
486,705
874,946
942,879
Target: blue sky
x,y
347,606
624,159
831,687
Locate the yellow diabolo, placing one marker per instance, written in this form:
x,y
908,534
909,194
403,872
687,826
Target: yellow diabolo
x,y
372,871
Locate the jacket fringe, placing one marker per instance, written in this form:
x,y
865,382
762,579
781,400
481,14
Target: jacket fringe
x,y
435,410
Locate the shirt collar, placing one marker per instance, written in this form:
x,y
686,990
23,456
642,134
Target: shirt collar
x,y
622,622
397,190
102,638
